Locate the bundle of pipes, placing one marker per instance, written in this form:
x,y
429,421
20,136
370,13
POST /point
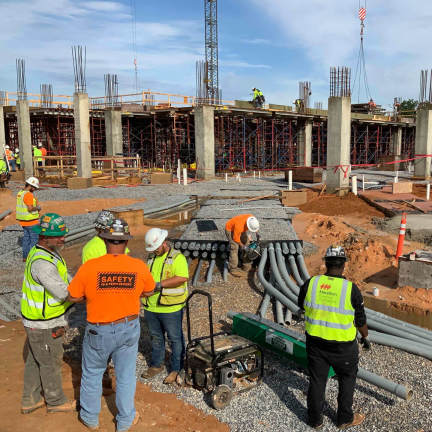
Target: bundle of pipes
x,y
205,251
287,272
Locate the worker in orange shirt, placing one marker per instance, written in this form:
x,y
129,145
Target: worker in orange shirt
x,y
27,214
112,285
43,151
237,231
10,158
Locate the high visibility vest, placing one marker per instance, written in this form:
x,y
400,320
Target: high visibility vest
x,y
37,304
168,296
22,212
3,167
329,313
37,153
17,159
256,93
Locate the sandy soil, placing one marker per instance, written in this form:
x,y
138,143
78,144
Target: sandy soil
x,y
66,208
159,412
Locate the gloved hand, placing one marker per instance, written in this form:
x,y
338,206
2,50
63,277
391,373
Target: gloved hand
x,y
365,343
158,287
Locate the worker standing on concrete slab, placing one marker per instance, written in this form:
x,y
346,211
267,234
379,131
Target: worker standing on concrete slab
x,y
27,214
96,247
236,230
334,311
10,158
112,286
43,152
164,310
4,173
44,308
17,158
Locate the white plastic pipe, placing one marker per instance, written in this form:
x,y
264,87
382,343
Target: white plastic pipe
x,y
290,180
396,179
185,177
428,192
354,185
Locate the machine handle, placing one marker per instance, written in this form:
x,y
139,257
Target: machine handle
x,y
210,309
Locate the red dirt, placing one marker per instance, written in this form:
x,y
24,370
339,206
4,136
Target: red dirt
x,y
160,412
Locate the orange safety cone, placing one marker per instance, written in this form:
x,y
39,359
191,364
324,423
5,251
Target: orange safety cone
x,y
401,237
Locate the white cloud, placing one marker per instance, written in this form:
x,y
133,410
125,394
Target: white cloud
x,y
104,6
243,64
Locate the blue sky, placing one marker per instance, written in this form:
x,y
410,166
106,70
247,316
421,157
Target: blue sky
x,y
270,44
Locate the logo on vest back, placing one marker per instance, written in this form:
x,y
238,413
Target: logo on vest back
x,y
116,281
325,287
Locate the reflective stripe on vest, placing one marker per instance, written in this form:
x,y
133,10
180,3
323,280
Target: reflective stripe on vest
x,y
329,313
37,153
22,212
38,304
168,296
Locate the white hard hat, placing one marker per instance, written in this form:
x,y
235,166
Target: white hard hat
x,y
40,145
335,252
17,150
6,147
154,238
33,181
252,224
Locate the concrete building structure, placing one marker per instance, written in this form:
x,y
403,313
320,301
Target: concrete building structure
x,y
304,143
205,141
2,133
113,132
82,135
338,143
423,141
397,140
24,137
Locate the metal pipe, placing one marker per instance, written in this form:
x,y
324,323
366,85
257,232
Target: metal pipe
x,y
210,271
279,313
197,272
400,343
264,305
398,390
271,289
294,270
225,271
282,267
275,272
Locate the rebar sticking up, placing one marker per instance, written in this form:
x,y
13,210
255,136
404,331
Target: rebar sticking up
x,y
46,93
111,90
79,65
340,81
21,79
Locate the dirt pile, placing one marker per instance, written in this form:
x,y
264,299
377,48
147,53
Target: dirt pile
x,y
332,229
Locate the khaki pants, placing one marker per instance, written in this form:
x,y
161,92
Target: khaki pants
x,y
234,255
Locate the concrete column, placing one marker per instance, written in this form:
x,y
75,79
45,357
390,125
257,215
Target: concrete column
x,y
82,134
304,143
423,142
113,133
24,137
396,148
2,132
205,141
338,143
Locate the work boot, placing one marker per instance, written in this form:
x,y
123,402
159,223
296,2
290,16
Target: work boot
x,y
87,425
171,378
152,371
135,422
66,407
31,408
236,273
358,419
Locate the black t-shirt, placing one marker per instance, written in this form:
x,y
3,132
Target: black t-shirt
x,y
356,301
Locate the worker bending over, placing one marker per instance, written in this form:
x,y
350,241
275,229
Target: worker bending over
x,y
112,286
237,231
27,214
164,309
258,98
334,312
44,308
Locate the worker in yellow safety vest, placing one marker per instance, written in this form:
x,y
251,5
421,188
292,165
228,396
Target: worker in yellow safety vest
x,y
27,214
37,154
258,98
4,173
44,308
334,311
10,158
17,158
96,247
164,309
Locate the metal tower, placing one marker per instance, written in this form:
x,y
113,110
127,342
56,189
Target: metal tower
x,y
211,50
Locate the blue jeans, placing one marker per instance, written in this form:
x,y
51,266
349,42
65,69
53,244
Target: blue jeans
x,y
171,324
12,164
29,240
120,341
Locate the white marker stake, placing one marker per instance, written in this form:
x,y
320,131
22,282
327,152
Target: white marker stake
x,y
226,177
239,178
185,177
254,174
290,180
259,174
363,182
354,185
178,175
428,192
396,179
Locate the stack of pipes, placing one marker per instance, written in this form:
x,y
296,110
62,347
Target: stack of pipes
x,y
284,264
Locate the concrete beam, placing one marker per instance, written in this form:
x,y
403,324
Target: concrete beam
x,y
338,143
82,134
2,132
396,145
205,141
304,143
24,137
113,133
423,142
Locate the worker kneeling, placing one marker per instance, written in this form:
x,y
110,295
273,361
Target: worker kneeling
x,y
334,311
237,230
112,286
164,309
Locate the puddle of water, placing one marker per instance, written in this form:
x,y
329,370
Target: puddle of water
x,y
174,219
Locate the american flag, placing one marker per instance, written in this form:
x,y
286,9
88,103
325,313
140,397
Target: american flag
x,y
362,14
